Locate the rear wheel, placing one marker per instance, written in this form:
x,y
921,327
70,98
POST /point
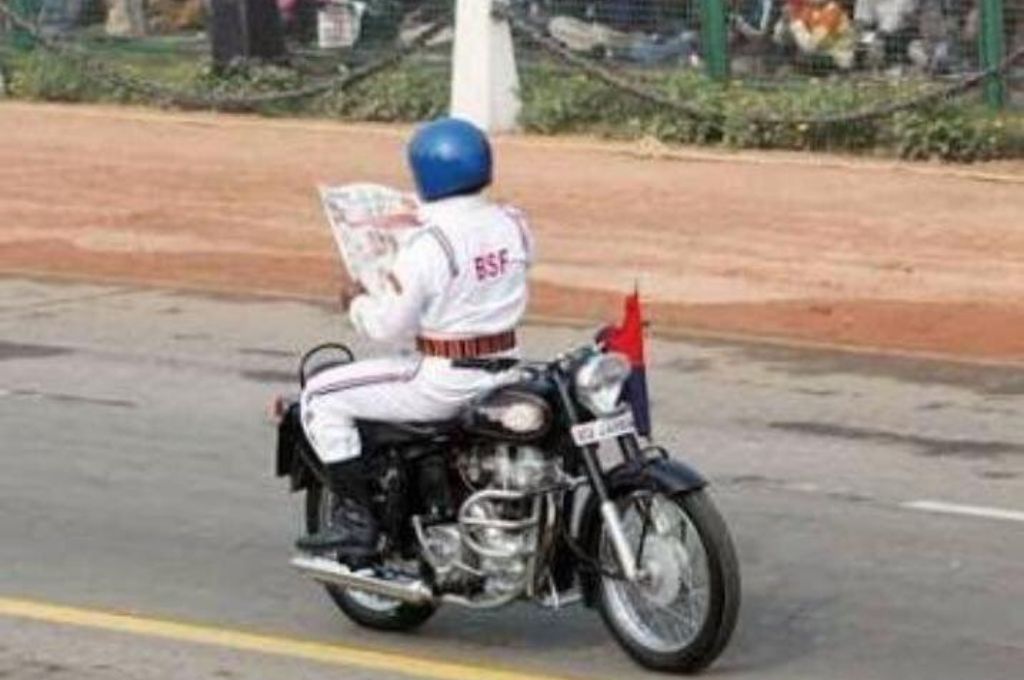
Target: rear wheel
x,y
366,609
681,613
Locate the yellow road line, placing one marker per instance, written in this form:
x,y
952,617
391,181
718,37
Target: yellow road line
x,y
392,662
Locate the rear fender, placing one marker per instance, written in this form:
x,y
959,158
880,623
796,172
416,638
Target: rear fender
x,y
664,475
295,457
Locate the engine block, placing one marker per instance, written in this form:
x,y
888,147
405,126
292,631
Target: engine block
x,y
492,548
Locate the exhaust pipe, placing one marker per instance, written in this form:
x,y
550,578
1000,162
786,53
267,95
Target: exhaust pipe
x,y
329,571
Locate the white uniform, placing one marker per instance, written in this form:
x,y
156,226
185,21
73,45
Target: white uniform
x,y
463,275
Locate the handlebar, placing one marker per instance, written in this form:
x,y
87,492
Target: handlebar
x,y
490,365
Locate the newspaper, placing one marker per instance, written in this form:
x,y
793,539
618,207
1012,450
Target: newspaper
x,y
370,223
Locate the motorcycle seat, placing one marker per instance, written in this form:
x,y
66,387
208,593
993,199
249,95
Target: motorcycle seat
x,y
377,434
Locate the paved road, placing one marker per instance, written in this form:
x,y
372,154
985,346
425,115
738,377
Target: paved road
x,y
136,477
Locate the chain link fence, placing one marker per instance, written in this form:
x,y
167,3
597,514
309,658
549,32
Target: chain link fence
x,y
778,42
160,52
335,26
805,74
765,42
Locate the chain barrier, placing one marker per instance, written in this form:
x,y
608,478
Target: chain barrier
x,y
619,81
183,99
169,96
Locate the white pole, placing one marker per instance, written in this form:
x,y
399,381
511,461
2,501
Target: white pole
x,y
485,83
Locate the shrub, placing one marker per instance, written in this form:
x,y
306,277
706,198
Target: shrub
x,y
556,101
397,95
40,75
951,133
739,115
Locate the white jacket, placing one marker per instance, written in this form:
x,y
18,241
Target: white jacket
x,y
463,274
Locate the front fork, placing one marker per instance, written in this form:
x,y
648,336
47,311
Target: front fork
x,y
624,553
609,510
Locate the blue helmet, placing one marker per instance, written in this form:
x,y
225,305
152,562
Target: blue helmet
x,y
449,157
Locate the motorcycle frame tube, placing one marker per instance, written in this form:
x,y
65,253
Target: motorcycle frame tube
x,y
467,523
630,447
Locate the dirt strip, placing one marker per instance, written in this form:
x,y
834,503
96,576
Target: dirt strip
x,y
863,254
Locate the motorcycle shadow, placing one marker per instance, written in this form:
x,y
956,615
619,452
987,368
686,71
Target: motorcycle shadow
x,y
523,627
770,635
773,633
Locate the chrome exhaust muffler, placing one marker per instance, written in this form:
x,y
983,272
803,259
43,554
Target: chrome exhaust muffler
x,y
330,571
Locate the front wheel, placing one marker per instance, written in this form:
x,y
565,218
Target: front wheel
x,y
366,609
681,612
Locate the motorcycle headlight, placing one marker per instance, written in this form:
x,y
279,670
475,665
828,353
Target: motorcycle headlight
x,y
599,382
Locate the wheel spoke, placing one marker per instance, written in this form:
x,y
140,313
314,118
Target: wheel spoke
x,y
666,612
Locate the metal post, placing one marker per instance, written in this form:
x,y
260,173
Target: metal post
x,y
485,81
715,39
29,11
992,49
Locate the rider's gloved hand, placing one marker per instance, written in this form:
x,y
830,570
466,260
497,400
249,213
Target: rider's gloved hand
x,y
350,290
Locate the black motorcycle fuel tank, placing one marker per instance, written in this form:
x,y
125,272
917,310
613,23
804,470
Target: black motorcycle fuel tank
x,y
516,413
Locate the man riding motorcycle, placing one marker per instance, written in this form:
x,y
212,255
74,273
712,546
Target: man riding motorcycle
x,y
458,289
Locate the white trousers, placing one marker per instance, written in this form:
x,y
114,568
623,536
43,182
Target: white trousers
x,y
393,389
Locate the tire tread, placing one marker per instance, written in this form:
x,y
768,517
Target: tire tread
x,y
722,618
406,616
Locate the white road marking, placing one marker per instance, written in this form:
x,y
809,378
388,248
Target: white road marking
x,y
967,510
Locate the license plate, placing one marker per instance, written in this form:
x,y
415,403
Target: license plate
x,y
605,428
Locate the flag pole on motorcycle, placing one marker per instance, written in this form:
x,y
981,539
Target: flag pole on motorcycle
x,y
628,339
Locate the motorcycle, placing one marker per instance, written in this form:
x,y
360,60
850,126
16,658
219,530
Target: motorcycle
x,y
511,501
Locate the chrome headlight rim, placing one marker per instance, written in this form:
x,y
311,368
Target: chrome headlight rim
x,y
599,381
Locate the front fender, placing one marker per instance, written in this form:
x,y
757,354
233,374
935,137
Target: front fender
x,y
667,475
664,475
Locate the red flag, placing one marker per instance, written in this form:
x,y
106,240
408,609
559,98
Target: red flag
x,y
628,339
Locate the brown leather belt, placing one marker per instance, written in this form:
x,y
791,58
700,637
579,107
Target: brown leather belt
x,y
467,348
